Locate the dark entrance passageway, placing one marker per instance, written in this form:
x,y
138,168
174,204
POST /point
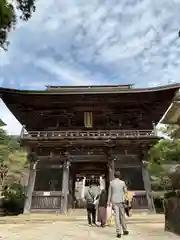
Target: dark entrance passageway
x,y
84,173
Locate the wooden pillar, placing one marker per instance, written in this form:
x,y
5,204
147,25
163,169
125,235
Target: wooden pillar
x,y
101,183
111,169
65,187
30,188
147,186
83,188
74,191
111,165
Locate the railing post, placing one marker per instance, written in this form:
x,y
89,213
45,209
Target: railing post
x,y
154,129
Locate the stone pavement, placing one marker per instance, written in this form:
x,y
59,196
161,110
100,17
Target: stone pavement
x,y
141,227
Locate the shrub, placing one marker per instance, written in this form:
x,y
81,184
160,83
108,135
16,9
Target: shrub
x,y
159,204
14,197
175,178
172,211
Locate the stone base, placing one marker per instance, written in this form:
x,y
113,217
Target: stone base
x,y
2,212
172,212
1,208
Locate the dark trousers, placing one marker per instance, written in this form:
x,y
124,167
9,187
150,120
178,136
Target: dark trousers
x,y
127,211
102,215
91,213
127,208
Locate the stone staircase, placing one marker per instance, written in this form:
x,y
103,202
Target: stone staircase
x,y
74,215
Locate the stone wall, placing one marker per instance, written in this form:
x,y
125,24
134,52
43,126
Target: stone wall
x,y
172,212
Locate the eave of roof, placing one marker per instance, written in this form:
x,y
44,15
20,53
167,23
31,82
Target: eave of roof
x,y
90,90
172,116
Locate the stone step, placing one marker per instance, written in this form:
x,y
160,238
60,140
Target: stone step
x,y
74,216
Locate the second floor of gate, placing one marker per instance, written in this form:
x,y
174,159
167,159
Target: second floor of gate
x,y
90,112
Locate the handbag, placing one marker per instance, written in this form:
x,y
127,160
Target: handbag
x,y
95,199
111,221
110,216
109,212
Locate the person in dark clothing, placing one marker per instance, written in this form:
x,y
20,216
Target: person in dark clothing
x,y
91,196
102,208
91,212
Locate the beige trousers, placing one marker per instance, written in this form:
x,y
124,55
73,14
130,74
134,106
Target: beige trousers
x,y
120,217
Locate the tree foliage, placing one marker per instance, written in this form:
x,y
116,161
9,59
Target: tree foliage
x,y
9,13
173,131
164,155
12,159
165,151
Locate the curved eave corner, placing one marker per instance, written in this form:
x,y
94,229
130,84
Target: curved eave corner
x,y
172,116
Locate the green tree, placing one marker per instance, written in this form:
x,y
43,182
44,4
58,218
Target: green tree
x,y
173,131
165,153
4,153
17,165
9,13
2,124
12,160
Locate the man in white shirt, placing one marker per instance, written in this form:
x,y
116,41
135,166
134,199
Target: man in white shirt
x,y
116,196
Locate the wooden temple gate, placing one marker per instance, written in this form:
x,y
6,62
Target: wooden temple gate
x,y
53,176
72,131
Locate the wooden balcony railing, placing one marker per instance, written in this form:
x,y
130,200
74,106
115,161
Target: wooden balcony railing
x,y
100,134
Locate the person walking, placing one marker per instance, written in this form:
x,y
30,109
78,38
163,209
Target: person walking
x,y
116,196
128,203
102,206
91,197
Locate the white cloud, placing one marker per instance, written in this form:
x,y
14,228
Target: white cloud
x,y
77,42
64,71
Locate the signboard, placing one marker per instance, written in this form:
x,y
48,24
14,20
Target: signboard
x,y
46,194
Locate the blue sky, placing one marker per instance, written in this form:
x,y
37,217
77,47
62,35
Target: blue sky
x,y
78,42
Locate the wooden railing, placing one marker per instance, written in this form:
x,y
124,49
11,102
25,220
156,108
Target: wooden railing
x,y
99,134
140,202
51,200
